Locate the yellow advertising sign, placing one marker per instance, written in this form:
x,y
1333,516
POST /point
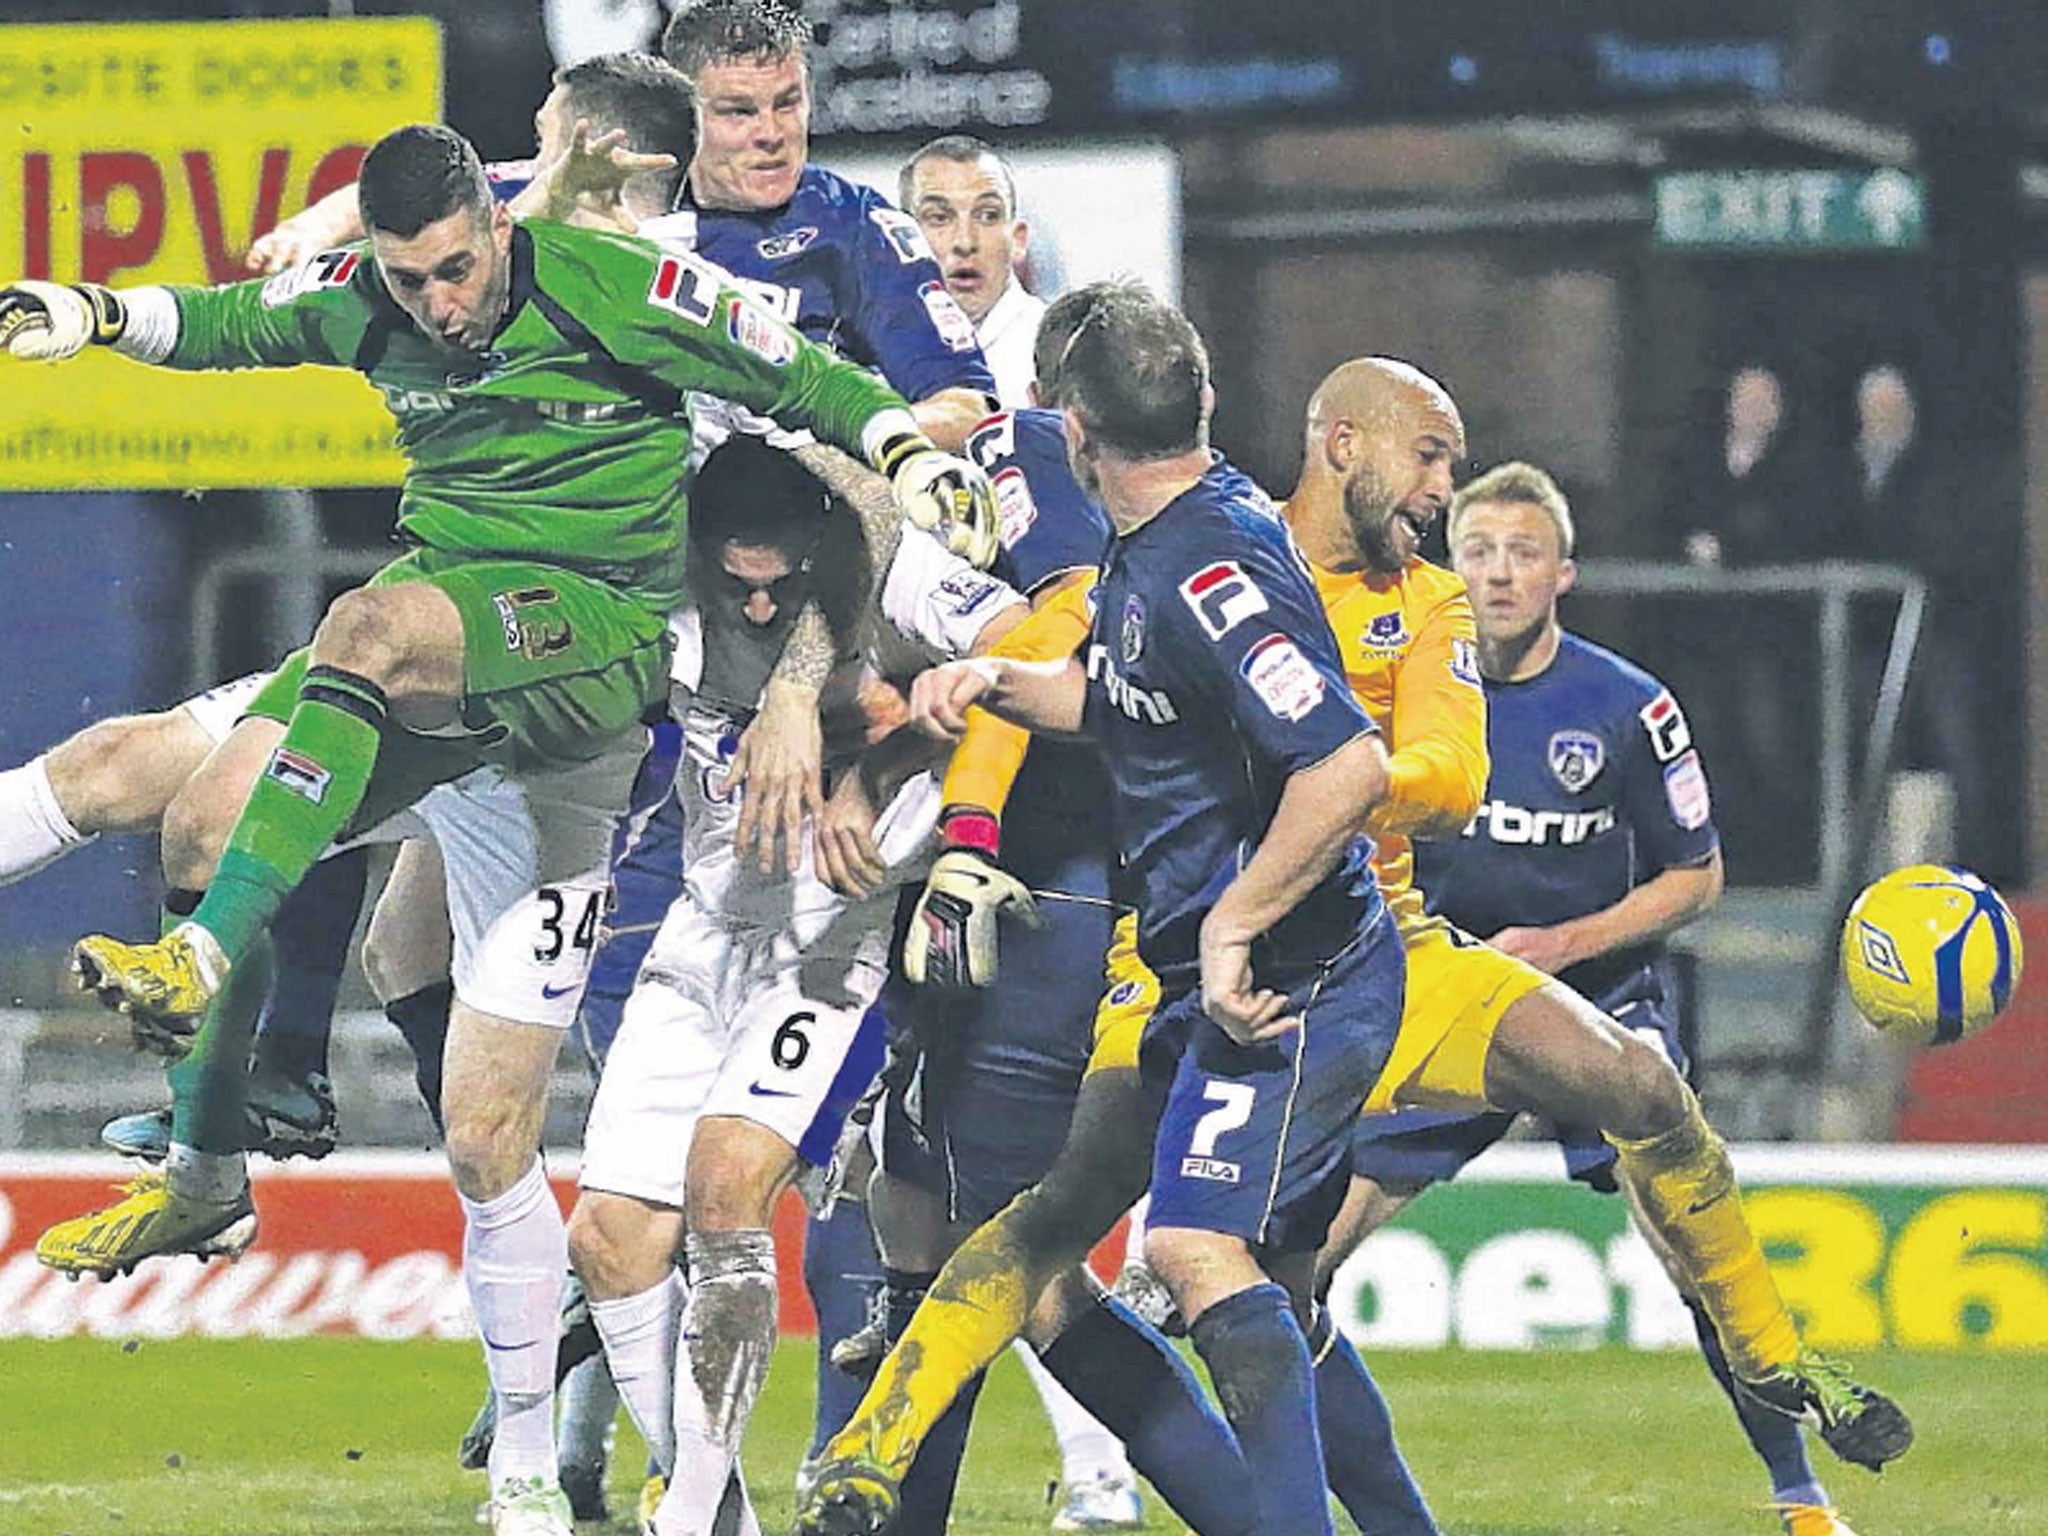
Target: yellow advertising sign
x,y
158,154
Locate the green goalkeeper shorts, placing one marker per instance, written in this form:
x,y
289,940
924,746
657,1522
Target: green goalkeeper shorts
x,y
555,667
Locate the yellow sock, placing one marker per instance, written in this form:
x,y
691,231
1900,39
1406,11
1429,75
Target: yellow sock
x,y
975,1307
1686,1188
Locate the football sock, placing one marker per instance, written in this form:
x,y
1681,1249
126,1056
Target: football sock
x,y
1259,1362
306,793
639,1335
515,1248
1088,1452
841,1272
311,932
422,1018
722,1353
1366,1471
1686,1190
978,1303
1777,1440
1127,1375
210,1085
34,831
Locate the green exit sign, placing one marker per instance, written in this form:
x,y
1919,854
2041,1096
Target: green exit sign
x,y
1881,210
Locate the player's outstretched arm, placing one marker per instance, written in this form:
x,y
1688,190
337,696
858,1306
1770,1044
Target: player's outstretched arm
x,y
1322,808
336,220
48,322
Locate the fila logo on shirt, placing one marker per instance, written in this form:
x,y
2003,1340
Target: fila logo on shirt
x,y
1222,597
1665,721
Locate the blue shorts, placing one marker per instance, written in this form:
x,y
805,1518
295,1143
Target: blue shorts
x,y
1255,1140
1415,1147
986,1109
647,876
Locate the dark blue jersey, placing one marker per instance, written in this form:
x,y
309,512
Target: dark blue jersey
x,y
1596,788
1056,824
849,271
1212,678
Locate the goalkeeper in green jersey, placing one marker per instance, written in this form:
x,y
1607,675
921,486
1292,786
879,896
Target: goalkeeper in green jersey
x,y
495,674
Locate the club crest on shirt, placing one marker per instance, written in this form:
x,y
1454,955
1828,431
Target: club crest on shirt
x,y
1386,632
1132,636
1576,758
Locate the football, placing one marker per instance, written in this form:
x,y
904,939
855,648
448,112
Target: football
x,y
1931,954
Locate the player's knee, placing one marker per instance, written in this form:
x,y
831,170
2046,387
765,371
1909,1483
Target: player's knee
x,y
1652,1097
489,1145
619,1247
119,775
737,1169
360,633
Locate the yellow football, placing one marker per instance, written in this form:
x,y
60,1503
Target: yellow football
x,y
1931,954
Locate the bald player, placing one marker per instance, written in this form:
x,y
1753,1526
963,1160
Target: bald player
x,y
1481,1030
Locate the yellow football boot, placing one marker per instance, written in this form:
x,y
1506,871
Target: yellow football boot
x,y
150,1219
1812,1520
164,987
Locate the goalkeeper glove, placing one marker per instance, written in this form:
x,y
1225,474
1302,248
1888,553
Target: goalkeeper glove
x,y
52,321
942,494
952,937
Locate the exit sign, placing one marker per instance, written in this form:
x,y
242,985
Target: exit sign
x,y
1881,210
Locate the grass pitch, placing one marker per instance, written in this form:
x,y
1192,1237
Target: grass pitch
x,y
341,1437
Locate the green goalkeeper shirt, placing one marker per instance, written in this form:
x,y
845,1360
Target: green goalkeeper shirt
x,y
566,441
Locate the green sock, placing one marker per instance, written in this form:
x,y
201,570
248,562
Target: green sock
x,y
312,784
210,1086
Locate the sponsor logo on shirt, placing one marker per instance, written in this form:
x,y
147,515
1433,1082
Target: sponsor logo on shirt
x,y
1222,596
1147,706
330,269
1576,758
1214,1169
1685,791
1286,681
788,243
1665,722
1520,827
760,333
954,328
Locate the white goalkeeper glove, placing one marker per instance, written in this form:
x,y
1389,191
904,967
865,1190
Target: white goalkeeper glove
x,y
47,322
952,937
944,495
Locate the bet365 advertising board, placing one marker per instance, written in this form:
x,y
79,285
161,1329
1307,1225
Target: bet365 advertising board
x,y
1927,1248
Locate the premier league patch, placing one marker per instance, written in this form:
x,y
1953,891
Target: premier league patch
x,y
1016,509
1386,632
1576,758
1132,636
788,243
1685,791
951,321
1285,680
1465,663
767,338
